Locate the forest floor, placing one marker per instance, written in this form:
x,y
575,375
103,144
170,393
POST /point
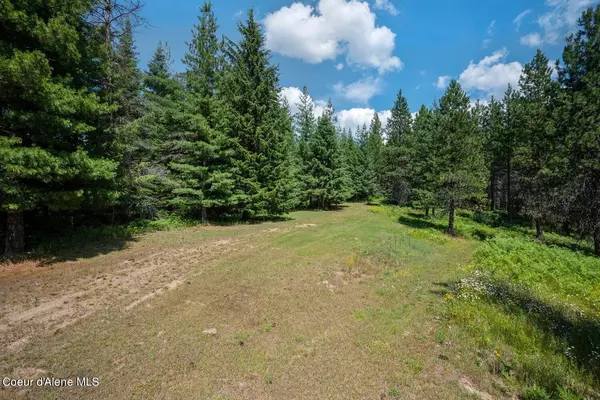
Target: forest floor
x,y
323,305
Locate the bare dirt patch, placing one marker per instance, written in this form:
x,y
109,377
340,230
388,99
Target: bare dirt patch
x,y
39,301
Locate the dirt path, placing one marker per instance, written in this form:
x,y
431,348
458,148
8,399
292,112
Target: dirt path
x,y
339,305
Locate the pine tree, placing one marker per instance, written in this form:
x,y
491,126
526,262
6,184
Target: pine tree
x,y
127,86
200,152
305,127
325,163
536,152
421,157
508,140
374,150
493,127
580,78
365,182
254,117
458,153
162,98
394,179
48,112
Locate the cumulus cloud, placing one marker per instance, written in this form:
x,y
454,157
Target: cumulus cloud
x,y
356,117
360,91
335,27
387,6
349,118
292,95
339,66
443,81
559,20
519,18
491,75
532,40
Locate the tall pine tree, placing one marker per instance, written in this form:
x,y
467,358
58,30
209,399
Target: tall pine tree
x,y
48,114
459,168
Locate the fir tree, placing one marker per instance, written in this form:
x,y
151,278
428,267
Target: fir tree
x,y
580,78
325,163
536,151
254,118
395,153
421,155
305,126
374,150
458,157
48,116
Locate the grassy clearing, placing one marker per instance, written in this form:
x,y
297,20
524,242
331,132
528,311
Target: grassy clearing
x,y
531,310
323,305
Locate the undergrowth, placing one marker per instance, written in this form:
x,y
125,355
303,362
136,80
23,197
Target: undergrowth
x,y
531,310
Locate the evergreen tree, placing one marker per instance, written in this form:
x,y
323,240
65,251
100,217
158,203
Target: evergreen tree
x,y
508,140
162,98
366,180
325,163
200,163
374,150
254,118
536,153
394,179
459,168
580,77
305,127
493,127
421,155
127,86
48,114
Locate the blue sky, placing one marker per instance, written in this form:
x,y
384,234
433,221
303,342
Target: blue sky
x,y
360,53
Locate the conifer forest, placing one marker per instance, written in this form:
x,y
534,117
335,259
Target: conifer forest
x,y
495,205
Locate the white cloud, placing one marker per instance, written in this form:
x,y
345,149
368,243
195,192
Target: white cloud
x,y
356,117
335,27
387,6
491,75
491,28
532,40
490,32
339,66
559,20
292,95
360,91
519,18
238,13
443,81
552,66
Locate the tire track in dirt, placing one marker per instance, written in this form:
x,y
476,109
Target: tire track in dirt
x,y
132,280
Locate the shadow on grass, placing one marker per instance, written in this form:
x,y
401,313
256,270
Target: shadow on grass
x,y
88,242
418,221
579,332
72,247
581,247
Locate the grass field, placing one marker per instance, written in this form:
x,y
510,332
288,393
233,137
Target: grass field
x,y
361,303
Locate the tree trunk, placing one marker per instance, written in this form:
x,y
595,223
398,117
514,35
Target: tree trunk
x,y
597,241
433,211
539,230
14,242
204,218
427,211
493,184
451,220
509,201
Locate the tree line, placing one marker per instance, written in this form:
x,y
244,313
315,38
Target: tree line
x,y
87,137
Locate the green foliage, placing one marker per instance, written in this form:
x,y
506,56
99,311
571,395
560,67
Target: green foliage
x,y
535,393
325,160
